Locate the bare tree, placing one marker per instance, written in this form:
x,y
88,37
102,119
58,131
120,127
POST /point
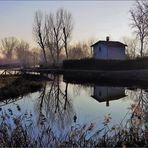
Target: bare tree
x,y
50,39
53,33
132,49
58,32
80,50
57,29
67,28
39,32
139,18
35,56
8,46
23,54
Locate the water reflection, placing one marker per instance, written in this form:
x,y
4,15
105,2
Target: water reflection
x,y
106,94
137,96
60,106
142,104
52,102
55,104
138,120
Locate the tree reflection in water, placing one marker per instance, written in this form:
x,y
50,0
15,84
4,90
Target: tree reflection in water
x,y
55,105
143,105
138,122
56,115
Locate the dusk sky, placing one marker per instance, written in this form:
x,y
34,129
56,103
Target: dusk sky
x,y
96,19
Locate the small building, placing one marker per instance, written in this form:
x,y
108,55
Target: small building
x,y
112,50
106,94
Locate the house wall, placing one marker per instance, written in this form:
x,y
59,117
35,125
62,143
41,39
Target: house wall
x,y
116,53
101,51
102,93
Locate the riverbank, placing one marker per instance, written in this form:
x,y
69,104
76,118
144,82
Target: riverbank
x,y
15,86
139,76
130,71
134,77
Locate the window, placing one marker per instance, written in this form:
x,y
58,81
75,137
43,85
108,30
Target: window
x,y
100,49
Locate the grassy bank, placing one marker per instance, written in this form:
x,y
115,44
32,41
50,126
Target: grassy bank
x,y
92,64
15,86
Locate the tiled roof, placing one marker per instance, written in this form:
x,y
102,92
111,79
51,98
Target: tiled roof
x,y
110,43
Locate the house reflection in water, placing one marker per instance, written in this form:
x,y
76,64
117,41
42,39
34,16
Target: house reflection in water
x,y
106,94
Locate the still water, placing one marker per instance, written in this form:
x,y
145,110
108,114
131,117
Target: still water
x,y
64,105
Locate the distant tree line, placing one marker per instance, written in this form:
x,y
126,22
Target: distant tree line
x,y
18,51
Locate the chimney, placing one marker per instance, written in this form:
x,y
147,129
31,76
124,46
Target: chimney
x,y
107,38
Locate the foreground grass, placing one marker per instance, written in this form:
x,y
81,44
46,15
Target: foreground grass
x,y
22,131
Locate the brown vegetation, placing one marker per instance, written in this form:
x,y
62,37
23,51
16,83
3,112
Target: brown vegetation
x,y
132,133
15,86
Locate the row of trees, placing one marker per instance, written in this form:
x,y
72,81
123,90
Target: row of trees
x,y
18,51
53,32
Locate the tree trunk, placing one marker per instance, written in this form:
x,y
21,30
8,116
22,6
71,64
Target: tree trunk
x,y
42,45
141,50
44,53
58,52
66,98
65,42
66,49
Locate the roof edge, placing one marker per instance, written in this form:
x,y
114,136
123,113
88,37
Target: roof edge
x,y
103,42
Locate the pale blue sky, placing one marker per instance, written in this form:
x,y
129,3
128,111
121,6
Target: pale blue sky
x,y
95,19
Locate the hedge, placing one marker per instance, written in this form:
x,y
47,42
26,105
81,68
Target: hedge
x,y
93,64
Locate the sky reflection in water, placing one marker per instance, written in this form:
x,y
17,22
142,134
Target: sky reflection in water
x,y
59,102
